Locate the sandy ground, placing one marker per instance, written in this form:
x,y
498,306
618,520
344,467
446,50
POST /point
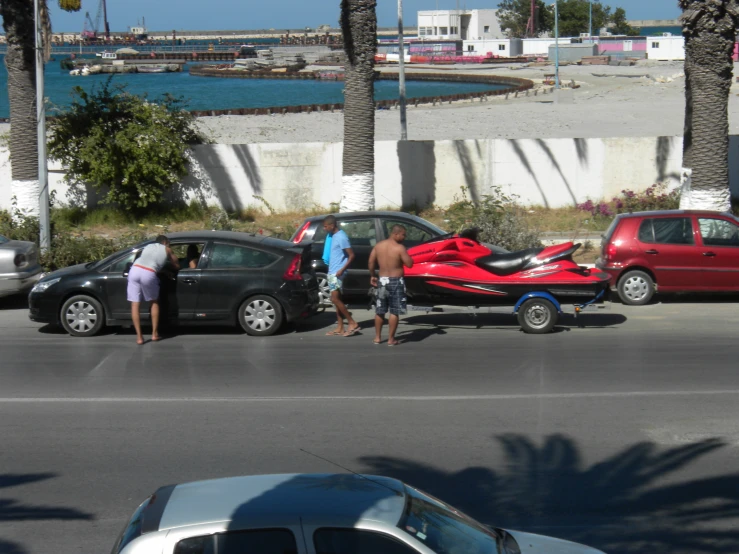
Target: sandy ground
x,y
642,100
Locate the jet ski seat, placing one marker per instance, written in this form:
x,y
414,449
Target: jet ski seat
x,y
507,264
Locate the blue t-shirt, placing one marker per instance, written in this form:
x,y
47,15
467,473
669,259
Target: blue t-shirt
x,y
339,242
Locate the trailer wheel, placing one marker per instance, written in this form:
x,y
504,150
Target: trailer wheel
x,y
537,316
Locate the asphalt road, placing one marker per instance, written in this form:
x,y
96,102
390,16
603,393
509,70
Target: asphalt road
x,y
622,434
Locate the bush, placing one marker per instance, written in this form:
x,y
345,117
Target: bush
x,y
656,197
500,219
130,150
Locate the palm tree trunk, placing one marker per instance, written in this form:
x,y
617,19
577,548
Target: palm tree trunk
x,y
18,22
709,31
359,29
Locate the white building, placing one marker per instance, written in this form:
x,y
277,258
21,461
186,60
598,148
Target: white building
x,y
503,48
459,25
666,47
540,46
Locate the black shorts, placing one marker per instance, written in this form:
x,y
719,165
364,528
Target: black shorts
x,y
391,296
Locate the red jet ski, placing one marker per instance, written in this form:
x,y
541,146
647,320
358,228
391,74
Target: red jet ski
x,y
458,270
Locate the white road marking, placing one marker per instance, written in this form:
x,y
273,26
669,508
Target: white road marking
x,y
248,399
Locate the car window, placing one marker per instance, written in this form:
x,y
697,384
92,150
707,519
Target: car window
x,y
263,541
718,232
3,240
231,256
414,234
356,541
181,251
119,266
666,230
361,232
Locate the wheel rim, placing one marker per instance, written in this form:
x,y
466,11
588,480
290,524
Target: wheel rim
x,y
324,294
537,316
81,316
636,288
260,315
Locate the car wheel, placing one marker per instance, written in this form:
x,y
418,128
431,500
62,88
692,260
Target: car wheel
x,y
537,316
82,316
635,288
260,316
324,293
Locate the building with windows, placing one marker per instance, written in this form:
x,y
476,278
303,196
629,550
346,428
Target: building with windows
x,y
459,25
666,47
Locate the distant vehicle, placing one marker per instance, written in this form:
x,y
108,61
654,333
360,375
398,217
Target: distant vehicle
x,y
19,267
671,251
250,280
315,514
365,229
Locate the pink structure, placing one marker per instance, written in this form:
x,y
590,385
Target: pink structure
x,y
735,55
609,45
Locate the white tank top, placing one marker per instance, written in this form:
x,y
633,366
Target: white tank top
x,y
154,257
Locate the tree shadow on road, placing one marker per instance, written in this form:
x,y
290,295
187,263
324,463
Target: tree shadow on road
x,y
14,510
628,503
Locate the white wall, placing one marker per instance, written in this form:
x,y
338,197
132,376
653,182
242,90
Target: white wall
x,y
485,18
479,19
541,45
549,172
666,48
497,47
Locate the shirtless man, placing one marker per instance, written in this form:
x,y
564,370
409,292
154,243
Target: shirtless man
x,y
392,258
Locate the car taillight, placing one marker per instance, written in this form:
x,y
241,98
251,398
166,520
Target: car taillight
x,y
611,251
293,272
303,230
19,260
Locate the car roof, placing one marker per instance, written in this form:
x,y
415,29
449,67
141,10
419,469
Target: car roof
x,y
275,500
656,213
230,236
374,213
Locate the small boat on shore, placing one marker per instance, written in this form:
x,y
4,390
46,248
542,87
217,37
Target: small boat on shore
x,y
152,68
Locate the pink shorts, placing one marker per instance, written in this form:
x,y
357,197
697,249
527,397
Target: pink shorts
x,y
143,284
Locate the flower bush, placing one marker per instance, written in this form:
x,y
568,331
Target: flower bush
x,y
656,197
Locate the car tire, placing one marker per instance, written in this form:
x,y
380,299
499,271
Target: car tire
x,y
635,288
260,316
82,316
324,294
537,316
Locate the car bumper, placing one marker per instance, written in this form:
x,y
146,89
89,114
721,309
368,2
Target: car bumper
x,y
42,308
614,270
299,304
17,283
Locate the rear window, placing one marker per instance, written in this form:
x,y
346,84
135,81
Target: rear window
x,y
666,230
261,541
611,229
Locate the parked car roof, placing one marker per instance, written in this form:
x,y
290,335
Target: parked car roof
x,y
654,213
229,235
376,213
268,500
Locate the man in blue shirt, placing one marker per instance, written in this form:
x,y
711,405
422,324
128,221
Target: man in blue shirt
x,y
340,258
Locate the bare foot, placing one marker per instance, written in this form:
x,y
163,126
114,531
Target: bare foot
x,y
335,332
140,341
393,342
155,338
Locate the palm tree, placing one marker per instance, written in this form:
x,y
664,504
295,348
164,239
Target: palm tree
x,y
359,30
20,61
709,28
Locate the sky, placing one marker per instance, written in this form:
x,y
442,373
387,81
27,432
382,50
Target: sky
x,y
166,15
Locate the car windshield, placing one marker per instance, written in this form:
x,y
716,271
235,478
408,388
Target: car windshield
x,y
104,261
444,529
3,240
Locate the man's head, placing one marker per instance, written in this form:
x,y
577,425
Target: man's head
x,y
397,233
329,225
162,239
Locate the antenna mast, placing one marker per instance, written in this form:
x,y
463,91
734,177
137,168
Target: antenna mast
x,y
105,20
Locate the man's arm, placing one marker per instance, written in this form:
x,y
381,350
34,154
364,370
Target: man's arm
x,y
173,258
349,259
405,257
372,266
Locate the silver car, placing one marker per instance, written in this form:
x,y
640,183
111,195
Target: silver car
x,y
315,514
19,268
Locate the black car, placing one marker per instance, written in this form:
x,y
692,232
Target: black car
x,y
364,229
255,281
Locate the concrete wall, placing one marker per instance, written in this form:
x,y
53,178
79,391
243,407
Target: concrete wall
x,y
548,172
541,45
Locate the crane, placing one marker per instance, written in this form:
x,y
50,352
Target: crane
x,y
91,33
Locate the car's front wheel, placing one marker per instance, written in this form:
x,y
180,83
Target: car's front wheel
x,y
82,316
635,288
260,316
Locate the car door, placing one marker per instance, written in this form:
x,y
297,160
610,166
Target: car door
x,y
231,272
720,249
179,296
362,233
116,283
415,234
667,244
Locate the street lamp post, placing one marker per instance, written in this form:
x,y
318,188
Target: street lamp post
x,y
43,176
590,27
556,44
401,74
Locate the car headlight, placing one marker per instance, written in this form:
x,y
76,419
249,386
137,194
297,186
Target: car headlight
x,y
43,285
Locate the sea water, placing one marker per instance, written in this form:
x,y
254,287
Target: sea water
x,y
211,93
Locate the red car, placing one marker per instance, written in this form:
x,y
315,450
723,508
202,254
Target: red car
x,y
671,251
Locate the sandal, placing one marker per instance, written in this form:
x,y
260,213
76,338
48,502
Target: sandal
x,y
352,332
335,333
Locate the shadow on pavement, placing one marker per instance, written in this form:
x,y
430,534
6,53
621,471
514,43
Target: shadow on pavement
x,y
13,510
629,503
15,302
502,320
695,298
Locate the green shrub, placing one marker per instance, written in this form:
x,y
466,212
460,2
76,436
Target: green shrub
x,y
500,219
126,148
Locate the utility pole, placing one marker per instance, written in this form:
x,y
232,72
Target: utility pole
x,y
590,28
556,44
43,175
401,74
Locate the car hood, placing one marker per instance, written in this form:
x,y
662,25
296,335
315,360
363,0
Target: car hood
x,y
529,543
71,270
